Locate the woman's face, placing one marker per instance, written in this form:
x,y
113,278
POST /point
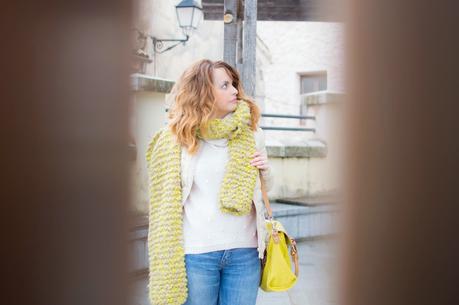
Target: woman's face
x,y
225,93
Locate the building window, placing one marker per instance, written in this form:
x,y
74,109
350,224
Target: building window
x,y
312,82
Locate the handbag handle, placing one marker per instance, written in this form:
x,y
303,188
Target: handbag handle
x,y
294,250
265,196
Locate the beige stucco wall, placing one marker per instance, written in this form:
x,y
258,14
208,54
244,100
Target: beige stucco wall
x,y
149,116
330,129
290,182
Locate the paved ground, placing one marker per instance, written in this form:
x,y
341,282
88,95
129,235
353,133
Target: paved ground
x,y
315,285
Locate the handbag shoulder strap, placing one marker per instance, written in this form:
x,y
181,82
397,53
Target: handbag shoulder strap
x,y
264,193
293,251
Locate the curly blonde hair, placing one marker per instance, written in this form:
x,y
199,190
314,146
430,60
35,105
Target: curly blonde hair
x,y
194,100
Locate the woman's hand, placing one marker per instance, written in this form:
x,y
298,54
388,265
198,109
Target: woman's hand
x,y
259,160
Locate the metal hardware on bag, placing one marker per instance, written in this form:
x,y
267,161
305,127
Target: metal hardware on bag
x,y
268,217
275,235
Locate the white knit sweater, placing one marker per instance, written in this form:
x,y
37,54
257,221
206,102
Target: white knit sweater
x,y
205,227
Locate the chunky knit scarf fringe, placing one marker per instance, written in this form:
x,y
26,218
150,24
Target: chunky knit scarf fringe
x,y
167,278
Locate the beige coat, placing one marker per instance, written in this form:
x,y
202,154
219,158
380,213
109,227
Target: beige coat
x,y
188,163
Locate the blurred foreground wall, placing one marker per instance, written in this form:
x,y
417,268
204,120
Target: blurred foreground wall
x,y
63,163
403,151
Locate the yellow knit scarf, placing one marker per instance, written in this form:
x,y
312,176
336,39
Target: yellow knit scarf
x,y
167,278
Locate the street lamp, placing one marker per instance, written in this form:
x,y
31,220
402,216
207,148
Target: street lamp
x,y
189,14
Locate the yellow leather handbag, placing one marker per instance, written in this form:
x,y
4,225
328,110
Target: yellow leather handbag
x,y
277,274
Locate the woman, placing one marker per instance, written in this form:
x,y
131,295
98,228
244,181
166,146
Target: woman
x,y
207,233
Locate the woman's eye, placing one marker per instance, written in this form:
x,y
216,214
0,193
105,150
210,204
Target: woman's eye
x,y
224,86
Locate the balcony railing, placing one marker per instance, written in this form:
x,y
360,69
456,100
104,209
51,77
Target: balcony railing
x,y
288,116
285,116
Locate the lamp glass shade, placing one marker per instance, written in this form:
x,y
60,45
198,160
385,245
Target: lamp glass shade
x,y
189,14
197,17
185,16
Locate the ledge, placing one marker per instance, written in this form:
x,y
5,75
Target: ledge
x,y
282,209
321,97
327,198
311,149
141,82
307,222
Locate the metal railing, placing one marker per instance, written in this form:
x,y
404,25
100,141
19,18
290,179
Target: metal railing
x,y
288,116
285,116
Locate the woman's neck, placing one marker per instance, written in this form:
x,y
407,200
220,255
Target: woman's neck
x,y
220,115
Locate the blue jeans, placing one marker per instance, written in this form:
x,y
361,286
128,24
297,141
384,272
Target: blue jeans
x,y
227,277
